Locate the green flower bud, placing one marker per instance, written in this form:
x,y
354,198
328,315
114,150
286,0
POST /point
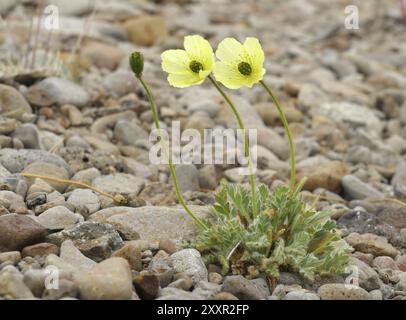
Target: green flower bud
x,y
137,63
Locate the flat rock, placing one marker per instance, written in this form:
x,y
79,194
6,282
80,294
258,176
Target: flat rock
x,y
151,223
119,183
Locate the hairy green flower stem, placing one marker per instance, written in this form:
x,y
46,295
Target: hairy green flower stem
x,y
246,143
171,168
288,134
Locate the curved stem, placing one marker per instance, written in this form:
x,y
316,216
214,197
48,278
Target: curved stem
x,y
246,142
118,198
165,150
288,134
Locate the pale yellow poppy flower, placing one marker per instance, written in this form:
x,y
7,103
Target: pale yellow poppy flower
x,y
191,66
240,64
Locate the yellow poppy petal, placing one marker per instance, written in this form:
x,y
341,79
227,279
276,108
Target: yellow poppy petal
x,y
254,50
258,74
228,75
184,80
199,49
203,74
230,50
175,61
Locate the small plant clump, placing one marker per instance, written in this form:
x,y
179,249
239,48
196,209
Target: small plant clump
x,y
286,234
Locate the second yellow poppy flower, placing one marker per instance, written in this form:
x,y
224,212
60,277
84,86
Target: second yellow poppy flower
x,y
240,64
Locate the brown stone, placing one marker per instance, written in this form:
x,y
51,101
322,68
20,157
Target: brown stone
x,y
371,243
147,285
168,246
271,116
327,176
109,280
40,249
100,55
17,232
132,254
146,30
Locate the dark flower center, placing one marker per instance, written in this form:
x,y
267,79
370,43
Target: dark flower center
x,y
195,66
245,68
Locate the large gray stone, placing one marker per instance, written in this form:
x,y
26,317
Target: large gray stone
x,y
151,223
58,218
57,91
119,183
